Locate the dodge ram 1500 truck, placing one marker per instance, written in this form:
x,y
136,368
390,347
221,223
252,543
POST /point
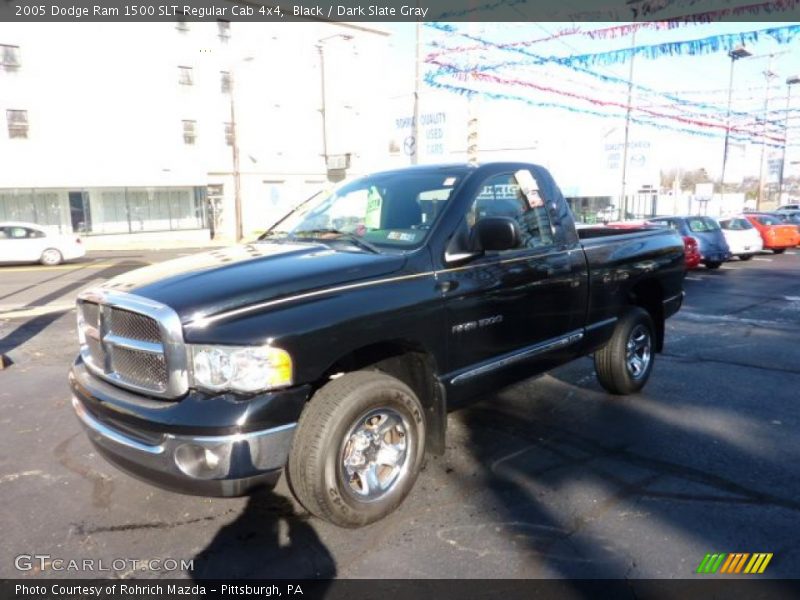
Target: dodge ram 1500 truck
x,y
334,345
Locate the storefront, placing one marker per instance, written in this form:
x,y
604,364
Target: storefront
x,y
112,210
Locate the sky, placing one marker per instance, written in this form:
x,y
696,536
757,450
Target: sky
x,y
547,106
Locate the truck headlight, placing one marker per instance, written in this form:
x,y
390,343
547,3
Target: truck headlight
x,y
240,368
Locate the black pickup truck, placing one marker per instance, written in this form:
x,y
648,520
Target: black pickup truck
x,y
335,344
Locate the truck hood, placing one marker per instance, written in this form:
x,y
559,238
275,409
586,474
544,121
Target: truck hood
x,y
205,284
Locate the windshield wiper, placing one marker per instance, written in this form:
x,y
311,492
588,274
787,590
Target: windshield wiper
x,y
351,237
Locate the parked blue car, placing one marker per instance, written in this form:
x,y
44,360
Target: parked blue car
x,y
711,242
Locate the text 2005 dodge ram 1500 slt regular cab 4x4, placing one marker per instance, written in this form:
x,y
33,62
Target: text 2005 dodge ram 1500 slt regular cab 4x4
x,y
335,344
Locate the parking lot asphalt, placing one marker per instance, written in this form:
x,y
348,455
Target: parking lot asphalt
x,y
549,478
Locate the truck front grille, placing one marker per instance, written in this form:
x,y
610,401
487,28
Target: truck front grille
x,y
127,347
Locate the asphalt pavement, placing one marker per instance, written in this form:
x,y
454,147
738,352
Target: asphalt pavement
x,y
549,478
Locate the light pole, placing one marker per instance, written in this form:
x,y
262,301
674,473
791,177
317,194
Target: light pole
x,y
323,109
624,199
768,75
790,81
237,176
735,54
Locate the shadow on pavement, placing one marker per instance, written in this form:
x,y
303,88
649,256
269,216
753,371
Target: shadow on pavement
x,y
30,328
268,540
568,466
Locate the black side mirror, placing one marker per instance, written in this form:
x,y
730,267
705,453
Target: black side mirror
x,y
497,233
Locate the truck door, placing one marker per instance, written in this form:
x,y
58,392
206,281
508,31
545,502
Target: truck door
x,y
515,304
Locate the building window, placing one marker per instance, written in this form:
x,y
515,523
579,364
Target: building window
x,y
225,82
224,29
185,76
229,134
189,132
17,123
9,57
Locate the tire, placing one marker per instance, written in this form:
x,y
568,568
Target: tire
x,y
51,257
713,264
779,250
745,256
615,367
338,417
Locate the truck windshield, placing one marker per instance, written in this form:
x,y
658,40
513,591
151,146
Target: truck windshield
x,y
389,209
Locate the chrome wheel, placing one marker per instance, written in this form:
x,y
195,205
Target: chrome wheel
x,y
51,256
638,351
375,453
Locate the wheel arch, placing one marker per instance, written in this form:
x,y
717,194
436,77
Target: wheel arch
x,y
649,295
411,363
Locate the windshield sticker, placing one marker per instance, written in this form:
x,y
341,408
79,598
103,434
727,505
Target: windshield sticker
x,y
372,220
449,182
529,187
401,236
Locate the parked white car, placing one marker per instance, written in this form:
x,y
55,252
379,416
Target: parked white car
x,y
27,243
743,239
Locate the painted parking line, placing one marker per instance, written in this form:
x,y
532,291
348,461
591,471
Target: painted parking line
x,y
694,278
22,312
72,267
762,259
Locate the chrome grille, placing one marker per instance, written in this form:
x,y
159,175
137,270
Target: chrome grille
x,y
133,342
143,369
131,325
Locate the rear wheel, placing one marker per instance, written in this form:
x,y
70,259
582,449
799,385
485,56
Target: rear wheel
x,y
779,250
713,264
358,448
51,256
745,256
624,364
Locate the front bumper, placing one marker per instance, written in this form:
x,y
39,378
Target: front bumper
x,y
222,460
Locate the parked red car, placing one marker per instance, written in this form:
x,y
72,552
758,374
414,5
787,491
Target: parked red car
x,y
777,235
691,250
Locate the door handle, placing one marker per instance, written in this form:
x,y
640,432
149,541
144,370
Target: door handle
x,y
446,285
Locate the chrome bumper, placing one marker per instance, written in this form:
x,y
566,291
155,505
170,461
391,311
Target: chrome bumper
x,y
227,465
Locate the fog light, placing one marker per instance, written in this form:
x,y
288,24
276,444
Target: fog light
x,y
203,462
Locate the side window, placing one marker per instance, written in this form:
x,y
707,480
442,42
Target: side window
x,y
17,233
35,233
515,195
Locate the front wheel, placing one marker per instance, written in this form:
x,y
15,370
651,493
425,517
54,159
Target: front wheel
x,y
745,256
358,448
713,264
624,364
51,257
779,250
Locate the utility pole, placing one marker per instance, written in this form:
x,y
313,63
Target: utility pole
x,y
790,81
624,199
322,110
768,75
237,176
415,129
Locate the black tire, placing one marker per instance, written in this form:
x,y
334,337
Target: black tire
x,y
713,264
611,363
328,435
779,250
745,256
51,257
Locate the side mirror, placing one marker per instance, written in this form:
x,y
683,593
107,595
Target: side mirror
x,y
497,233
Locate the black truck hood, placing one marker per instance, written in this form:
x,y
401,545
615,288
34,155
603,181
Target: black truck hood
x,y
211,282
